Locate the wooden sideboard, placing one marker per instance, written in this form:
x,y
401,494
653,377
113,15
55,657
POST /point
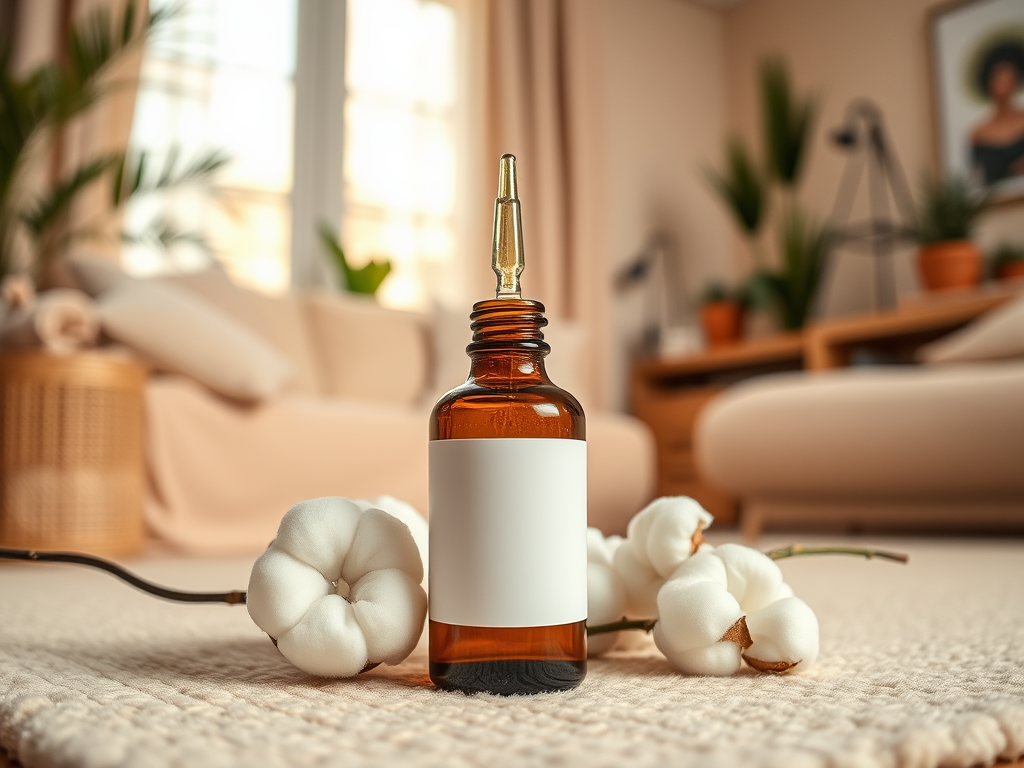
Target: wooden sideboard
x,y
669,393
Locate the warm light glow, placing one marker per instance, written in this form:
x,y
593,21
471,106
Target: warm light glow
x,y
221,76
400,162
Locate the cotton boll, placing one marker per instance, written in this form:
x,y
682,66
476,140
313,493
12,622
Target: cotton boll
x,y
695,615
718,659
381,541
409,515
328,641
640,580
675,533
378,568
703,566
784,634
281,590
601,549
754,578
318,532
666,532
391,608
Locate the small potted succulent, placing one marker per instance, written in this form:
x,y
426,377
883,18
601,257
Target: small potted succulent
x,y
721,315
949,209
1007,262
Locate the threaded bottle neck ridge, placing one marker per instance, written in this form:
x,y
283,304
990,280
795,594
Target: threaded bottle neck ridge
x,y
508,324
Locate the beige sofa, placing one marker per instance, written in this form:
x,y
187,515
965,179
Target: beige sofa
x,y
937,445
338,401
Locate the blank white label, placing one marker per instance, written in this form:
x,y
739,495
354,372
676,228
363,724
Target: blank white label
x,y
508,532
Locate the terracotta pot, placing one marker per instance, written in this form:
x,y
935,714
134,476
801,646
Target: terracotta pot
x,y
1011,270
723,322
949,265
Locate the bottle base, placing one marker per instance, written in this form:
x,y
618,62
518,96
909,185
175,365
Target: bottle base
x,y
508,677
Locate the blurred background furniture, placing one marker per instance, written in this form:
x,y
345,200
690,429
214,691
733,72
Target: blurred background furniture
x,y
230,446
670,395
71,460
938,445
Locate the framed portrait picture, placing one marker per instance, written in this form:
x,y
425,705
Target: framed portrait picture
x,y
978,72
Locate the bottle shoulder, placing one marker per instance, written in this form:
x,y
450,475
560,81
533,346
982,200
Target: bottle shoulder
x,y
541,410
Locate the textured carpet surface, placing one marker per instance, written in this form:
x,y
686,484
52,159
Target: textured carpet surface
x,y
920,666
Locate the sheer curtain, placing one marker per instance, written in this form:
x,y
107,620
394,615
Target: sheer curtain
x,y
542,99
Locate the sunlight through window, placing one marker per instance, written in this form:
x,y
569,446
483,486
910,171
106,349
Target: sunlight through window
x,y
399,148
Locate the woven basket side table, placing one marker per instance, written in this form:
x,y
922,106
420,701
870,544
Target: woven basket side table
x,y
71,452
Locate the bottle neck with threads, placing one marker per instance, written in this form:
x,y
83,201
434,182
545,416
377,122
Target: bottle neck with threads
x,y
508,348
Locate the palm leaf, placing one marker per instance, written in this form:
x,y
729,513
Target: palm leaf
x,y
136,180
164,233
788,122
740,186
47,209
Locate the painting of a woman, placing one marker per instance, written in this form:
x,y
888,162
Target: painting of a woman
x,y
997,144
978,70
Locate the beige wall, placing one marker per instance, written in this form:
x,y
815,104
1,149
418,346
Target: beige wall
x,y
664,115
843,50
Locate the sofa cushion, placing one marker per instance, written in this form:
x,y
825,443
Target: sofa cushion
x,y
278,320
367,352
996,335
182,333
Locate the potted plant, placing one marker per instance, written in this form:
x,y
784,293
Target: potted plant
x,y
721,315
1007,262
949,209
747,188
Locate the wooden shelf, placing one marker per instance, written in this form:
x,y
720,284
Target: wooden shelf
x,y
669,394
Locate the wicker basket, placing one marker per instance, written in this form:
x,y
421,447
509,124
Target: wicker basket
x,y
71,467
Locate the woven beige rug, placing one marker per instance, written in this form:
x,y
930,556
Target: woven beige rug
x,y
920,666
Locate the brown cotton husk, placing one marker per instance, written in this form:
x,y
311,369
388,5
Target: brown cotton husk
x,y
739,634
774,667
696,540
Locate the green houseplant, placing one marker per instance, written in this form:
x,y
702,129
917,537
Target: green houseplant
x,y
1007,261
366,279
35,108
747,191
947,214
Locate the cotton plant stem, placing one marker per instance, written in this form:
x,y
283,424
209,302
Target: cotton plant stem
x,y
236,597
795,550
645,624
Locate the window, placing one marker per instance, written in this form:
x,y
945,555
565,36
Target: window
x,y
220,75
400,137
233,66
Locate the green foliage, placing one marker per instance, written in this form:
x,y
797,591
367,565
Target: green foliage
x,y
34,109
1006,253
715,292
804,247
740,187
949,209
787,122
366,279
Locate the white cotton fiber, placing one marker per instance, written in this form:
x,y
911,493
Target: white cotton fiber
x,y
718,659
390,607
328,641
640,580
376,611
318,532
381,541
754,578
670,537
695,615
281,589
409,515
785,631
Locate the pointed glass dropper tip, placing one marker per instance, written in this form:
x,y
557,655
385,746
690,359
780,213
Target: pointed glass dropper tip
x,y
507,258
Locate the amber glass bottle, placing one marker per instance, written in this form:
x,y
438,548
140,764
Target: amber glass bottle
x,y
508,500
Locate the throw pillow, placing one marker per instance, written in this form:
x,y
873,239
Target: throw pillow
x,y
996,335
368,352
182,333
